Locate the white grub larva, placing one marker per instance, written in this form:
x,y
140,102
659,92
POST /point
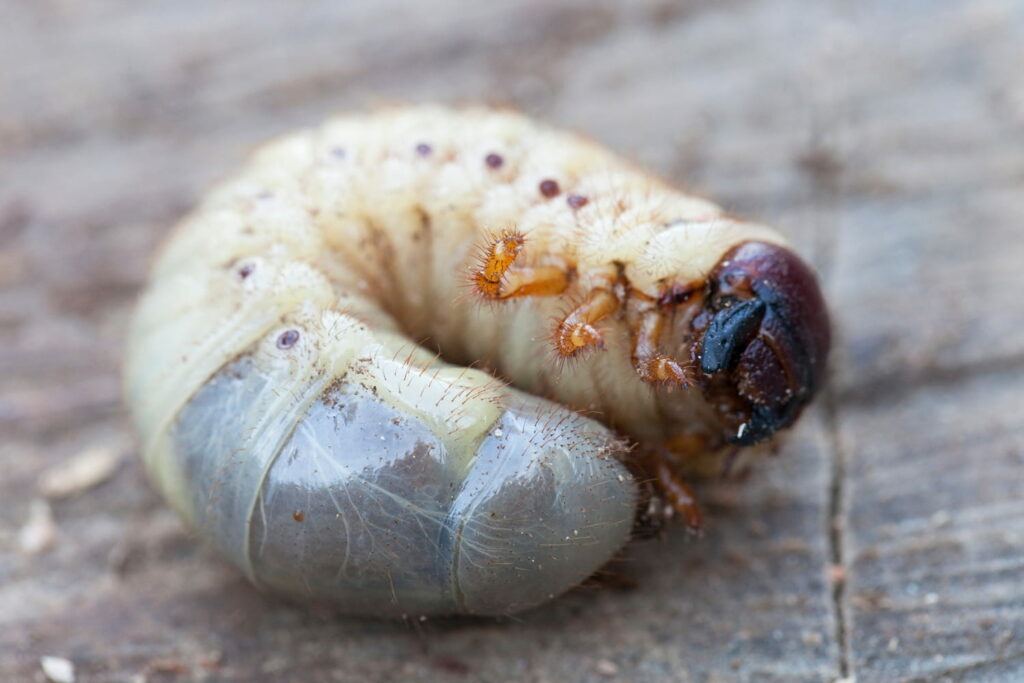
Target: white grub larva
x,y
314,367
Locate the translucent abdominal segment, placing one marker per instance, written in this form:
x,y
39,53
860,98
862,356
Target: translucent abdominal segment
x,y
368,506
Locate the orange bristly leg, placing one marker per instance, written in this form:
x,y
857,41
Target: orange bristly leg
x,y
495,278
495,261
538,281
679,496
576,331
675,492
650,364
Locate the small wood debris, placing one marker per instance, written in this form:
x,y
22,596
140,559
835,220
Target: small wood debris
x,y
58,669
40,530
83,471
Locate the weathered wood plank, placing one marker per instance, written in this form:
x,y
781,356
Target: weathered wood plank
x,y
935,529
886,138
928,254
926,274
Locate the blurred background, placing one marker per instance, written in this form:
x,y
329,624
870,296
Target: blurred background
x,y
886,139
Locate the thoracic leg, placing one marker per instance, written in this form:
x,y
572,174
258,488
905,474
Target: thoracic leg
x,y
577,330
495,278
652,365
539,281
676,494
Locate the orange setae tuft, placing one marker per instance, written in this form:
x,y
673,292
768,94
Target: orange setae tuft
x,y
495,261
577,331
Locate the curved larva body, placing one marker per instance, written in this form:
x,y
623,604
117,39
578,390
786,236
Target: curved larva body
x,y
287,412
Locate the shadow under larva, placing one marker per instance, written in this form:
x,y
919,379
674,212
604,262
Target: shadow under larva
x,y
313,366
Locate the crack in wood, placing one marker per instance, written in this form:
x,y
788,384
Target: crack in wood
x,y
836,527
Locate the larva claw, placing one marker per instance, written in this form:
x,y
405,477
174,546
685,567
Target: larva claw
x,y
652,366
577,332
577,337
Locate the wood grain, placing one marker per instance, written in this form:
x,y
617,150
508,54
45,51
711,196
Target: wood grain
x,y
887,139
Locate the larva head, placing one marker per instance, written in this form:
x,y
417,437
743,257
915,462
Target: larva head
x,y
762,339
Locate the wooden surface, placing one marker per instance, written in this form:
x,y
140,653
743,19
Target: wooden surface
x,y
886,138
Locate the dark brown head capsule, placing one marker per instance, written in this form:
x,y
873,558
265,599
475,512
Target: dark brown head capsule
x,y
762,340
